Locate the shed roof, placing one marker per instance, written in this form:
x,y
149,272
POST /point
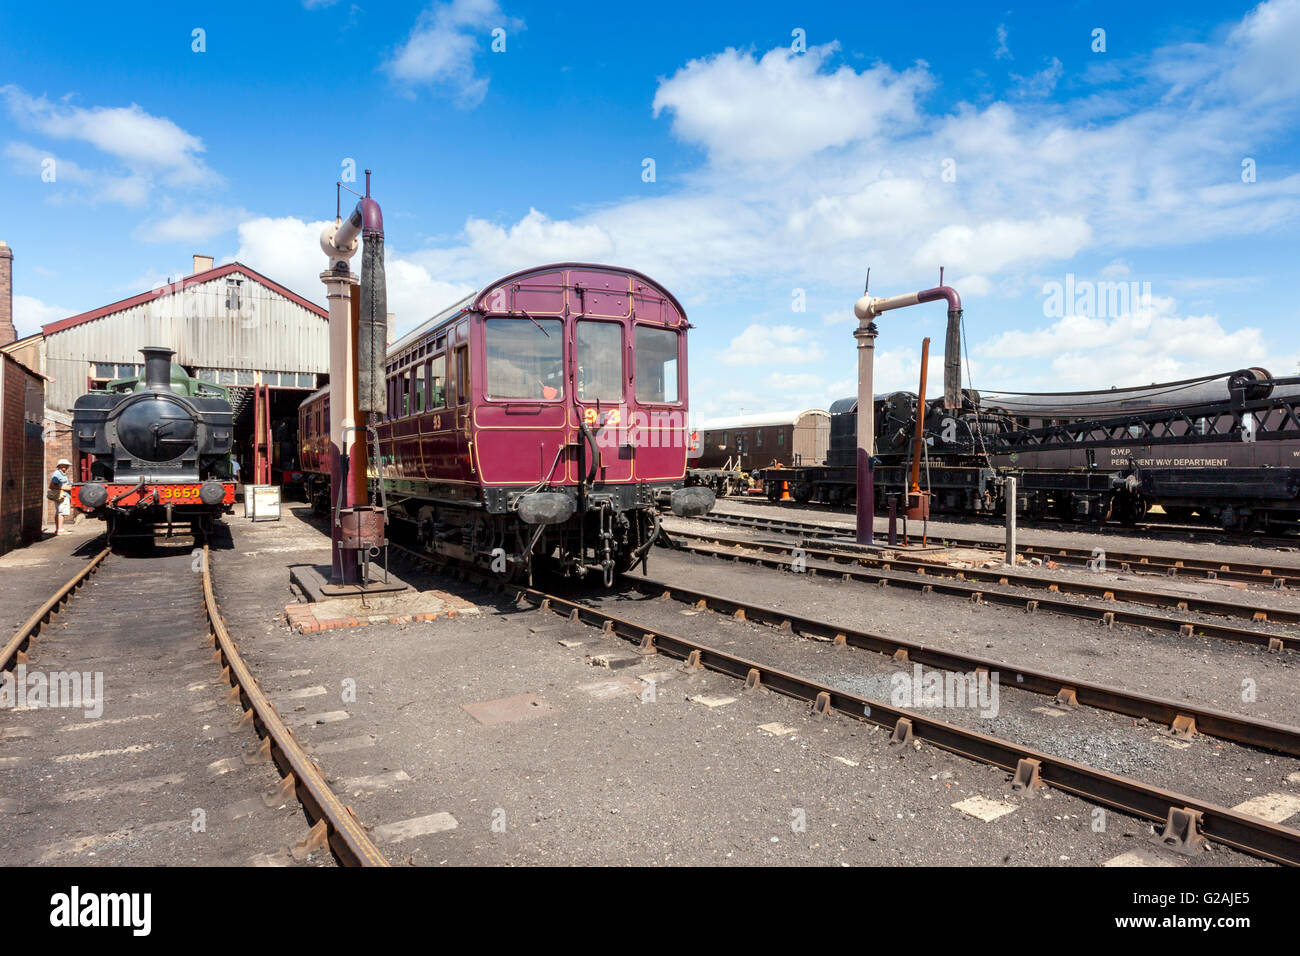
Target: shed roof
x,y
758,420
178,286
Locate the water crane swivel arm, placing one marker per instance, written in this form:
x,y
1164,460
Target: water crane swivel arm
x,y
868,307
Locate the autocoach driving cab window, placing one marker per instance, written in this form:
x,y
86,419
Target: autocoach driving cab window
x,y
525,358
656,364
600,361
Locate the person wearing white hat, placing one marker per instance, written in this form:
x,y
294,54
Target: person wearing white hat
x,y
58,493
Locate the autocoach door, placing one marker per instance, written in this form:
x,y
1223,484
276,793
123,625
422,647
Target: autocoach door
x,y
659,393
600,375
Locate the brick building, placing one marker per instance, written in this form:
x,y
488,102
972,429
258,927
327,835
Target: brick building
x,y
228,325
22,454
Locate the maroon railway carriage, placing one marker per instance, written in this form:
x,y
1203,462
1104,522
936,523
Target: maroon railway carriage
x,y
314,447
540,418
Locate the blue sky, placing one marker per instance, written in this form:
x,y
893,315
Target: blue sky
x,y
793,145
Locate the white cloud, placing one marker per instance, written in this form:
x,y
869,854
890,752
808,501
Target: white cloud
x,y
773,344
991,246
784,107
1002,52
69,182
30,314
190,225
536,238
1263,48
145,144
1149,344
442,47
287,249
1042,83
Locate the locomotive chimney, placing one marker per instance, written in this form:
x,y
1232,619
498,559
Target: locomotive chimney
x,y
7,331
157,367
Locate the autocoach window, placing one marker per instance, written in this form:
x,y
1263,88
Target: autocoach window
x,y
656,364
600,362
525,358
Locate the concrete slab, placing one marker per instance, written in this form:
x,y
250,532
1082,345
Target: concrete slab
x,y
415,827
1141,857
982,808
1274,807
614,687
314,582
615,660
507,709
711,702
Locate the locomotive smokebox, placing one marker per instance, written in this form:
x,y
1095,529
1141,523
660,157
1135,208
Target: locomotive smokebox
x,y
157,366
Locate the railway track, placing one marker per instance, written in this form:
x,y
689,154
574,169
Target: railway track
x,y
1066,691
1268,575
848,566
1186,821
147,628
1156,531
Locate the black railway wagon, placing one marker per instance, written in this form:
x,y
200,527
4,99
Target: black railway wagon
x,y
1111,454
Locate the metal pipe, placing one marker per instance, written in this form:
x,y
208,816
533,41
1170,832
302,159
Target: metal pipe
x,y
868,308
920,420
1010,498
866,493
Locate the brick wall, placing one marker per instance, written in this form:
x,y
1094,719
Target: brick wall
x,y
58,444
7,331
22,455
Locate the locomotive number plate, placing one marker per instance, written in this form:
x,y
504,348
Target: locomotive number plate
x,y
179,491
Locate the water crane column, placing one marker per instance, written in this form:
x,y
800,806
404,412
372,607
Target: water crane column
x,y
356,366
866,309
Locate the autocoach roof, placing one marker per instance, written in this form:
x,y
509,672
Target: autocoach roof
x,y
477,302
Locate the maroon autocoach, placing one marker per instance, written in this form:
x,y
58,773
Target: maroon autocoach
x,y
540,419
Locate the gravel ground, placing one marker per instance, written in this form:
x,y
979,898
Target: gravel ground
x,y
154,777
601,773
1282,557
1213,770
1188,587
30,575
1206,670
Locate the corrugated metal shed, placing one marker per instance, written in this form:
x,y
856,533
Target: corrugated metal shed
x,y
228,318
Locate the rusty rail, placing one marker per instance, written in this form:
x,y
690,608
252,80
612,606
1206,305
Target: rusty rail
x,y
1265,734
15,650
1010,578
1275,576
332,822
1241,831
1232,828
